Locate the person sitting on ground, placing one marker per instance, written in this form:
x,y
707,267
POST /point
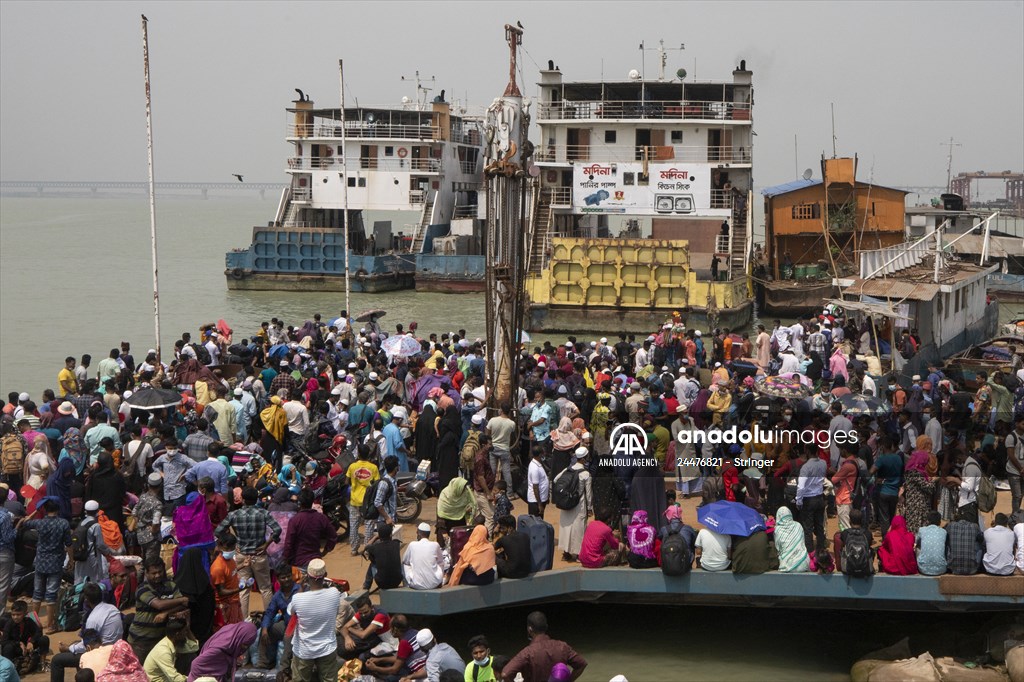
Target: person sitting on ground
x,y
754,554
477,564
640,535
423,563
896,555
512,549
789,543
714,549
363,630
163,661
22,640
385,560
999,542
103,618
601,546
931,546
856,556
406,662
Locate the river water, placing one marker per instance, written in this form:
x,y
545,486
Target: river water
x,y
75,278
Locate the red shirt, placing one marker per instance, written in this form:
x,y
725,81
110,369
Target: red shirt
x,y
597,539
217,509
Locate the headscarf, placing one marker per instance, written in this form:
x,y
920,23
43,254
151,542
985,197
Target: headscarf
x,y
673,513
919,460
192,523
563,438
789,542
896,555
40,444
274,419
112,537
73,449
290,477
599,417
227,465
456,501
641,535
220,653
117,568
59,485
477,554
923,442
123,666
192,578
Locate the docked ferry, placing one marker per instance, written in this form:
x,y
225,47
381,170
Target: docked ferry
x,y
642,203
422,159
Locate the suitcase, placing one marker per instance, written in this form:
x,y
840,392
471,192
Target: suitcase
x,y
459,537
542,541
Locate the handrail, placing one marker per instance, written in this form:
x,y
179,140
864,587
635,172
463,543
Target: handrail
x,y
633,109
359,129
385,163
629,153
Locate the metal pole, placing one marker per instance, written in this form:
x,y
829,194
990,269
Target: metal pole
x,y
344,188
152,189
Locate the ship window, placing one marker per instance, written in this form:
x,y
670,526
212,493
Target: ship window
x,y
627,178
362,182
352,182
642,178
806,211
958,299
873,208
609,136
389,151
677,137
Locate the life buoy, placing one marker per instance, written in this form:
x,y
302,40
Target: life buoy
x,y
402,152
328,151
237,273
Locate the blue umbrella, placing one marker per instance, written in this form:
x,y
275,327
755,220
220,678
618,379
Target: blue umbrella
x,y
730,518
278,351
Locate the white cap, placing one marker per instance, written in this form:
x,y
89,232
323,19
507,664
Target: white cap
x,y
127,394
697,333
151,351
341,374
344,401
664,368
238,391
568,344
24,397
541,364
562,390
478,418
581,452
682,370
424,637
283,363
399,412
604,339
352,365
316,569
617,678
373,376
336,390
916,377
92,505
424,527
593,344
718,364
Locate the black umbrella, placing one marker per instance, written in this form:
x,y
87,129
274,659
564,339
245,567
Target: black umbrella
x,y
153,398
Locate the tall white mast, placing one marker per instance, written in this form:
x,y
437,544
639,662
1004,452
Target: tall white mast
x,y
152,193
344,190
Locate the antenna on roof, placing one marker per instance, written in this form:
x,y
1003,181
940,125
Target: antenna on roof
x,y
949,161
808,174
421,90
833,130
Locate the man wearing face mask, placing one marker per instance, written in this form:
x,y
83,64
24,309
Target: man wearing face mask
x,y
480,668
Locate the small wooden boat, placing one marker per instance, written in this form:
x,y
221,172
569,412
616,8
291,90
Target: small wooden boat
x,y
990,356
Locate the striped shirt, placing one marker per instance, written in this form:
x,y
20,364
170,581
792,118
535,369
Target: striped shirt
x,y
317,613
145,627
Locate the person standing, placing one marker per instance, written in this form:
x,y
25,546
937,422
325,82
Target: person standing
x,y
66,380
483,481
888,472
361,475
315,644
845,480
94,567
538,487
1015,463
226,583
148,512
500,429
8,535
172,466
54,537
810,500
573,522
310,534
543,653
250,524
393,437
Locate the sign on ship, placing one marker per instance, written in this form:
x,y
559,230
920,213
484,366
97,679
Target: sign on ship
x,y
664,189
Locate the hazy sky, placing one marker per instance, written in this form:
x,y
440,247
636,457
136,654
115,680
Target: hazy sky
x,y
904,76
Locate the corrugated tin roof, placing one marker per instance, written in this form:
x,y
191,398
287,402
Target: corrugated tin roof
x,y
893,289
788,187
998,247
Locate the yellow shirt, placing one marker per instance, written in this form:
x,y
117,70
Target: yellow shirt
x,y
361,475
68,377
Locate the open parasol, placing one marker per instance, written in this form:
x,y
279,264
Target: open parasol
x,y
730,518
400,346
366,315
781,387
524,337
855,405
153,398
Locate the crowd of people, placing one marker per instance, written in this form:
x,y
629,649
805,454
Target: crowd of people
x,y
217,463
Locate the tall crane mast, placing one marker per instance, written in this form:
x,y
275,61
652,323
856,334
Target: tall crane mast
x,y
506,165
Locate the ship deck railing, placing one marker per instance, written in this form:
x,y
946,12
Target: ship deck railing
x,y
468,211
605,153
387,163
633,109
362,129
561,197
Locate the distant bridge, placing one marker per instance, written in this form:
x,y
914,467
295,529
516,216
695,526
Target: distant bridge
x,y
95,186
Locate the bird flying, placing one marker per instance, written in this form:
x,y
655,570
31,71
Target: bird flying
x,y
238,176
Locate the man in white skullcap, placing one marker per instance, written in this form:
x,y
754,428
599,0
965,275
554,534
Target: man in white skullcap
x,y
90,544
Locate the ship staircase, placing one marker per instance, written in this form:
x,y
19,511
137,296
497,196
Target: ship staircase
x,y
421,229
738,249
540,235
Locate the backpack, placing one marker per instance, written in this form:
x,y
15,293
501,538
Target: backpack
x,y
857,554
986,494
69,617
469,450
565,489
675,555
80,544
12,455
367,509
202,355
